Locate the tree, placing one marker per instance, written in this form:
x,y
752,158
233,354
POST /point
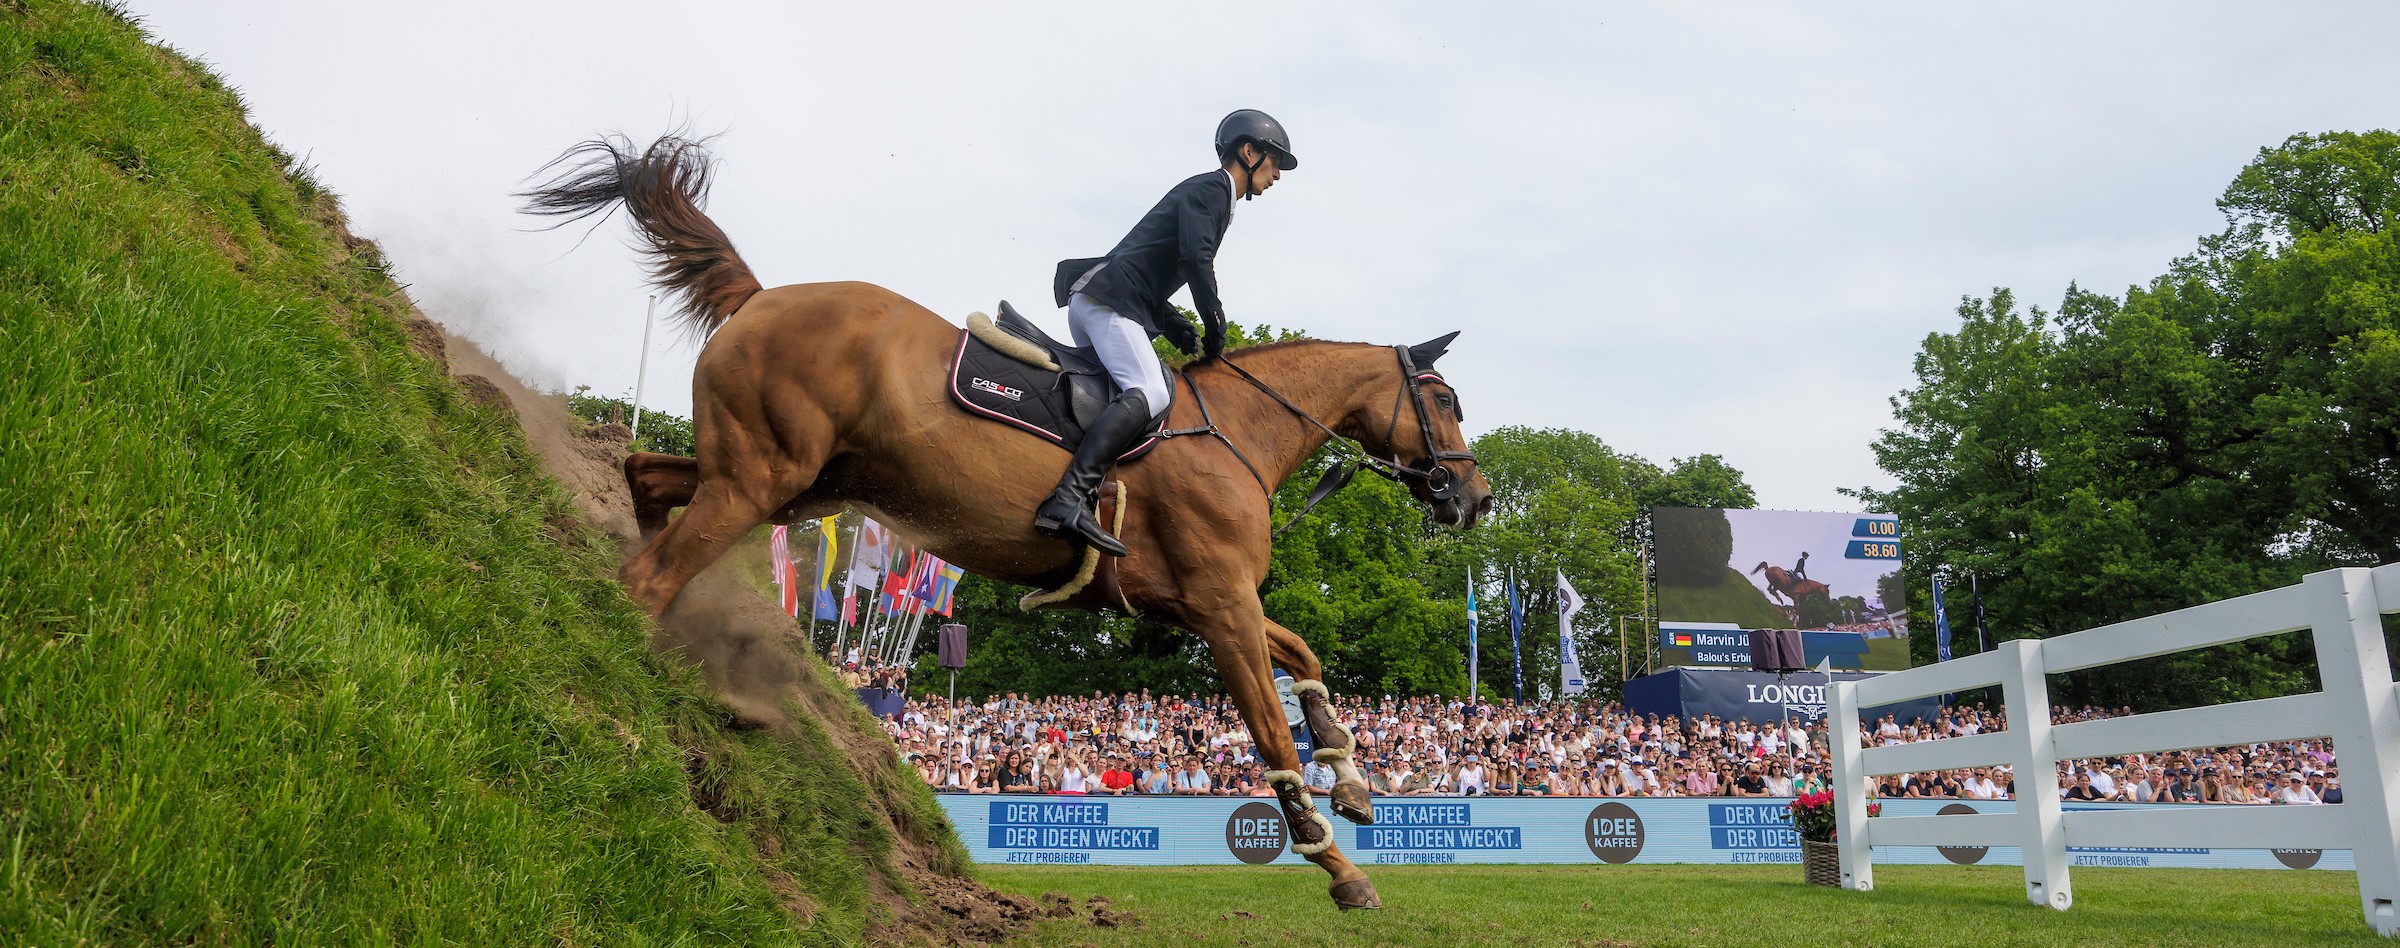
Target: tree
x,y
2225,428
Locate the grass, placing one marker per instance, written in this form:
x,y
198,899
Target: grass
x,y
1700,905
1732,599
297,643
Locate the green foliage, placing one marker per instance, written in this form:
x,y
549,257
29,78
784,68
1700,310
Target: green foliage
x,y
290,648
1695,547
661,432
2224,429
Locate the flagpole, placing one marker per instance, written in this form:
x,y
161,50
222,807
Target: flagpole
x,y
642,374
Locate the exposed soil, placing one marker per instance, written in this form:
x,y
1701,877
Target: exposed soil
x,y
737,637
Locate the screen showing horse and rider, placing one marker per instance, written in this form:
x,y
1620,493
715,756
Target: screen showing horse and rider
x,y
1834,576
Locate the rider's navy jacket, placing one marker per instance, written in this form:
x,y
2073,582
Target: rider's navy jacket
x,y
1174,244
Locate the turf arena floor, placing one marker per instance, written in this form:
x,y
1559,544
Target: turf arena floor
x,y
1696,905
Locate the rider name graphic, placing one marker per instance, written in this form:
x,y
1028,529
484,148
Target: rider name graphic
x,y
1711,646
1074,826
1757,832
1433,831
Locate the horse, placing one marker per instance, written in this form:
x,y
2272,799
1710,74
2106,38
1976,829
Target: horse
x,y
1782,585
810,398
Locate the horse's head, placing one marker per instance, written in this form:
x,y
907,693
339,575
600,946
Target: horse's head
x,y
1419,430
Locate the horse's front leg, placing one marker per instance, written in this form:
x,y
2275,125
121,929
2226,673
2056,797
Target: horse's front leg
x,y
1237,638
1334,743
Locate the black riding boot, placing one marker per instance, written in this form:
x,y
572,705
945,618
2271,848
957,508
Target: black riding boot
x,y
1068,515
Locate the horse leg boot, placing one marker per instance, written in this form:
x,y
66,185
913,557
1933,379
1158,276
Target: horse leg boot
x,y
1312,833
1068,514
1334,746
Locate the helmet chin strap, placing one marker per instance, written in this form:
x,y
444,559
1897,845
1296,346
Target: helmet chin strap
x,y
1250,172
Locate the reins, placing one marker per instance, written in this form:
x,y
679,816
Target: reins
x,y
1437,478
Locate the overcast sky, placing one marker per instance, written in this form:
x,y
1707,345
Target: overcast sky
x,y
1701,228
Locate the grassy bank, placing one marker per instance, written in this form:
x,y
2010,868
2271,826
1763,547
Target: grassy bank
x,y
1662,906
297,643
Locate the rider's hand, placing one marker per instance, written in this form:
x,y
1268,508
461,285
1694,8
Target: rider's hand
x,y
1214,344
1180,335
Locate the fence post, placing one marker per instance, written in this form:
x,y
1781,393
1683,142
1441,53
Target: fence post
x,y
2347,623
2026,695
1851,785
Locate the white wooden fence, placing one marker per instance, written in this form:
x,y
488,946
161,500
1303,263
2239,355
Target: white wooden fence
x,y
2359,710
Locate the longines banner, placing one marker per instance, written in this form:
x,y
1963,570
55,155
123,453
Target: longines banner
x,y
1193,831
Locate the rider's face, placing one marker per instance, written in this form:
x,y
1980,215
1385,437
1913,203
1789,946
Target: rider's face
x,y
1265,175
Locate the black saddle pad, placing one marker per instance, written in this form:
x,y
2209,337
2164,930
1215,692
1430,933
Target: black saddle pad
x,y
1055,406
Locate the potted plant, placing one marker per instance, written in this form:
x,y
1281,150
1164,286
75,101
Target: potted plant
x,y
1812,818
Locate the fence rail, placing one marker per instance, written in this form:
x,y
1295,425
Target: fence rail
x,y
2359,709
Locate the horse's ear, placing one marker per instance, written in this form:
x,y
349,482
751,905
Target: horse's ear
x,y
1424,353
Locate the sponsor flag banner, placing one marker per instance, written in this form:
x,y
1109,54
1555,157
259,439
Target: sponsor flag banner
x,y
1941,624
1516,636
1570,668
1472,655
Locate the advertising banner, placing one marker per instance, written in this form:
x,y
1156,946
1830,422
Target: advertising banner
x,y
1834,575
1756,697
1196,831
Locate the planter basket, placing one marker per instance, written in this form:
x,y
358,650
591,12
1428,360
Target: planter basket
x,y
1821,863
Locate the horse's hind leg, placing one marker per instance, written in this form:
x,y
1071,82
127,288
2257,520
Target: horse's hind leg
x,y
1240,646
659,483
1334,743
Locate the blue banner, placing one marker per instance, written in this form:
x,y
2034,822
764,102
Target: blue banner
x,y
1941,625
1199,831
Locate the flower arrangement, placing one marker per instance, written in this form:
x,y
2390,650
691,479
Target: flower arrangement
x,y
1812,815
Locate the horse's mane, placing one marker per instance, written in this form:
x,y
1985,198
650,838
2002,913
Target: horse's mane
x,y
1263,348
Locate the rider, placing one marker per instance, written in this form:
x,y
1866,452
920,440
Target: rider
x,y
1116,303
1800,569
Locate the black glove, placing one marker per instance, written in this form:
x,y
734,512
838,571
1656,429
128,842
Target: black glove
x,y
1180,335
1213,345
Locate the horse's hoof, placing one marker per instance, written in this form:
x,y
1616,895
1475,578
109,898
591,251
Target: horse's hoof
x,y
1351,802
1356,894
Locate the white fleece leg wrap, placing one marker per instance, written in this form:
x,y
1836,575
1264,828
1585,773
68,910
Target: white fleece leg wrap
x,y
1344,769
1307,685
1323,825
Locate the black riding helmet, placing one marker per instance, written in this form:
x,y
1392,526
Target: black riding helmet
x,y
1252,125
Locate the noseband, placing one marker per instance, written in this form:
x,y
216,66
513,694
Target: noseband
x,y
1438,480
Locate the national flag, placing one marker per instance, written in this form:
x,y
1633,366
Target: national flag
x,y
945,587
1683,640
779,560
869,554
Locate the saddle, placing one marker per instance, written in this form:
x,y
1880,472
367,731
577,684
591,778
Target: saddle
x,y
1010,371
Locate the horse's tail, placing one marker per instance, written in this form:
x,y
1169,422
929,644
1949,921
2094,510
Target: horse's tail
x,y
663,187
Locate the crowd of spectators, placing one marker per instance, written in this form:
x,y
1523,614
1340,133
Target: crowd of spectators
x,y
859,671
1179,745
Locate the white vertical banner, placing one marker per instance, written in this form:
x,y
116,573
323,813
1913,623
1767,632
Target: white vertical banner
x,y
1570,669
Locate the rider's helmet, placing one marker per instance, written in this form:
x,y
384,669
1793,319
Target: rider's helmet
x,y
1252,125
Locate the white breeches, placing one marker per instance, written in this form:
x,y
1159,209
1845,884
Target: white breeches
x,y
1123,347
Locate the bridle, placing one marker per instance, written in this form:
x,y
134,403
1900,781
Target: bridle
x,y
1438,480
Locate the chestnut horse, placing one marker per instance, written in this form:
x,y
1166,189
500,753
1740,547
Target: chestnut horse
x,y
1783,585
811,398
